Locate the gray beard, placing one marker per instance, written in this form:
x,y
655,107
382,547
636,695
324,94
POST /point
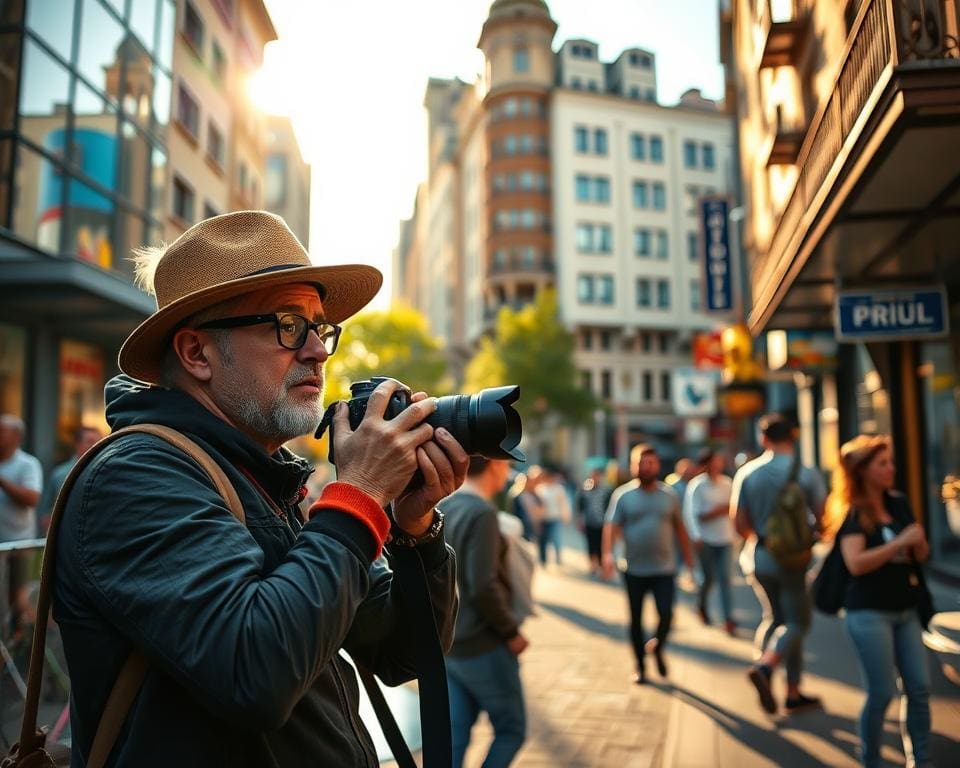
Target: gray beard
x,y
280,421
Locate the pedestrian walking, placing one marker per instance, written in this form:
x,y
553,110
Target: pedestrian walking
x,y
882,544
684,471
593,498
706,507
552,493
242,625
645,513
761,489
83,440
523,501
483,670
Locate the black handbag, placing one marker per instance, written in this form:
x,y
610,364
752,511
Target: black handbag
x,y
830,585
925,608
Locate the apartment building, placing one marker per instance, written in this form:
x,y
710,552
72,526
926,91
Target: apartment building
x,y
286,183
570,175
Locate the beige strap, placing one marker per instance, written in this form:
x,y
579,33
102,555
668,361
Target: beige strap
x,y
134,670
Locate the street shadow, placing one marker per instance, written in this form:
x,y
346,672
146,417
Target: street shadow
x,y
771,743
613,630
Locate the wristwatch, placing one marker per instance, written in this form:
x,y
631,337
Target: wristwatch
x,y
400,538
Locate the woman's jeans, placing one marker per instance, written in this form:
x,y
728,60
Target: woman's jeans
x,y
550,534
488,682
715,563
888,642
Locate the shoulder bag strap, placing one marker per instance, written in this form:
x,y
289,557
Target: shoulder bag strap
x,y
388,724
134,669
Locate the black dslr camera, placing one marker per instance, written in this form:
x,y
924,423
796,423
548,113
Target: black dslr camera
x,y
485,424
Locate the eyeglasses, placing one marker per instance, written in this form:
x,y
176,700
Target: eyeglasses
x,y
291,329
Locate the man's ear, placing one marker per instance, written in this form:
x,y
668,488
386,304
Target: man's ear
x,y
190,347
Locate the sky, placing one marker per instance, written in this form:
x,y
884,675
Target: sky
x,y
352,75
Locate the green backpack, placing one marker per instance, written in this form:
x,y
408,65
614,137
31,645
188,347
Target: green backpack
x,y
789,535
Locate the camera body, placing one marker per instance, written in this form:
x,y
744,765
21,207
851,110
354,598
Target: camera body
x,y
360,392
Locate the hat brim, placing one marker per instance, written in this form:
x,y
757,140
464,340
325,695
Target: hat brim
x,y
347,289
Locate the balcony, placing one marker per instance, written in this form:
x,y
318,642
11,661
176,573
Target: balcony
x,y
878,187
785,147
522,268
785,41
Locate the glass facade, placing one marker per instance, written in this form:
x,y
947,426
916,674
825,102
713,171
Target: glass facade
x,y
82,160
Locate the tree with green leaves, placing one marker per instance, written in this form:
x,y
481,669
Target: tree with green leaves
x,y
393,342
531,347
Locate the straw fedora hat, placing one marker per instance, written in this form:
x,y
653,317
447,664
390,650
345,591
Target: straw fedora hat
x,y
227,256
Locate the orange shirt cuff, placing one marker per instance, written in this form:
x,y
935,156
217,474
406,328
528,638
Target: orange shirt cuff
x,y
354,502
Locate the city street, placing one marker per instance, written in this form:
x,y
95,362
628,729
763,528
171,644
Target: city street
x,y
584,710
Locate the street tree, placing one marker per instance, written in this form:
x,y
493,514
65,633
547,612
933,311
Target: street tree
x,y
531,347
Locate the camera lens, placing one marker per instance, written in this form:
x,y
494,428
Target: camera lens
x,y
484,424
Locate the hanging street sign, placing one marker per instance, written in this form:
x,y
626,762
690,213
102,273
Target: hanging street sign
x,y
899,314
717,259
694,392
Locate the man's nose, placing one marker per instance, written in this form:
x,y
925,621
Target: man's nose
x,y
313,348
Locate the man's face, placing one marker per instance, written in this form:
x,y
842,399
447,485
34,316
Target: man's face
x,y
648,468
9,439
268,390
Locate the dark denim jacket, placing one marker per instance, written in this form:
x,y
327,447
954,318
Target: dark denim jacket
x,y
242,625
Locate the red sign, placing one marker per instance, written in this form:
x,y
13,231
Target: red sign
x,y
708,351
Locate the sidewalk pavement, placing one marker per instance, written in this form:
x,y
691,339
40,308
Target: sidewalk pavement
x,y
584,709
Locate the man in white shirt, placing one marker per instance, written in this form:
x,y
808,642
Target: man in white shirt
x,y
706,512
556,511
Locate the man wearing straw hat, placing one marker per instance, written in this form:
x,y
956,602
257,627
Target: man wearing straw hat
x,y
242,625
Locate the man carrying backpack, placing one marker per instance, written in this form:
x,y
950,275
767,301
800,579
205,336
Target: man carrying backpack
x,y
776,503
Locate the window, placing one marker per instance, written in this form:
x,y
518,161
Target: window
x,y
586,380
695,295
528,218
182,200
641,242
640,199
605,340
601,189
638,146
218,62
663,249
193,27
209,211
689,154
665,385
528,256
656,149
585,289
606,238
581,139
526,144
510,107
510,145
645,342
693,246
606,384
651,95
588,339
663,294
709,160
634,92
521,60
188,112
582,186
527,181
659,196
242,178
585,237
600,141
647,386
663,343
215,146
605,294
575,83
643,294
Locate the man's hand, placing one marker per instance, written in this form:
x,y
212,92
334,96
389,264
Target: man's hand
x,y
380,456
443,464
517,644
609,565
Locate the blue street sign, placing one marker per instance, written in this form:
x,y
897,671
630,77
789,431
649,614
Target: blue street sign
x,y
717,261
868,315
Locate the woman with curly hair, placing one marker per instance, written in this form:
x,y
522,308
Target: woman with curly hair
x,y
881,544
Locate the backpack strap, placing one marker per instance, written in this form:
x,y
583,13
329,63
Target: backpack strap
x,y
795,466
131,676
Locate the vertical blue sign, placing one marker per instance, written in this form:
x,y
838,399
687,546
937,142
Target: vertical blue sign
x,y
717,261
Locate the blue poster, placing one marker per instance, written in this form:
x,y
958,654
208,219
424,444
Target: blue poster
x,y
717,260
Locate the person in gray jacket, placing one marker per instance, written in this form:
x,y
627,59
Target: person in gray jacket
x,y
242,625
483,672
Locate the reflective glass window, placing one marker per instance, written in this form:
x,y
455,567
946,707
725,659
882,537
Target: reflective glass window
x,y
9,76
89,218
158,183
143,20
44,93
130,234
38,204
6,169
52,20
135,165
138,83
162,94
168,28
101,36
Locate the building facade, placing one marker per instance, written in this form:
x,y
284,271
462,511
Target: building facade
x,y
570,175
849,118
116,130
286,185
